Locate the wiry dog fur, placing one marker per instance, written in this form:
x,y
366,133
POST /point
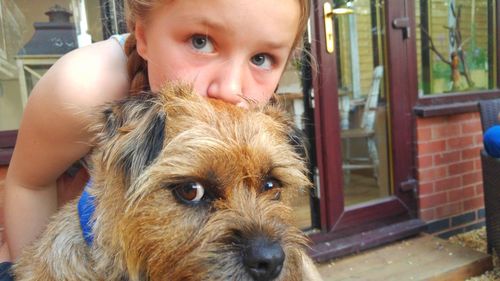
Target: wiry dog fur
x,y
150,147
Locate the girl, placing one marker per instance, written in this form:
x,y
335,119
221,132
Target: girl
x,y
233,50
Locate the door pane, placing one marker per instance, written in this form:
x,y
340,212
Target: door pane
x,y
290,94
362,100
32,38
455,43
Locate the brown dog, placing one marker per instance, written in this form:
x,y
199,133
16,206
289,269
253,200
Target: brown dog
x,y
184,188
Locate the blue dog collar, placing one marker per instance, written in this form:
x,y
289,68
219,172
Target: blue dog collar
x,y
86,209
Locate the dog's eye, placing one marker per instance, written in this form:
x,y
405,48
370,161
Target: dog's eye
x,y
270,184
191,192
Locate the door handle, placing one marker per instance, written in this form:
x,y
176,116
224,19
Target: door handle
x,y
328,19
402,23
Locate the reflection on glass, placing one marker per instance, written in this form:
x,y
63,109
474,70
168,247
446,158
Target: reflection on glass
x,y
32,40
455,41
12,24
362,108
290,95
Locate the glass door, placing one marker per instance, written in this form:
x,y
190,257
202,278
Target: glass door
x,y
32,38
363,97
293,95
362,100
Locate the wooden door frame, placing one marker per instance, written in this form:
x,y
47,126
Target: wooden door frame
x,y
336,220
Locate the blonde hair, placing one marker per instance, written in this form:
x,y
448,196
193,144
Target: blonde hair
x,y
137,68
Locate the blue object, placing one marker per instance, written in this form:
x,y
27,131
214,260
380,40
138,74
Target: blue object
x,y
86,209
6,271
491,141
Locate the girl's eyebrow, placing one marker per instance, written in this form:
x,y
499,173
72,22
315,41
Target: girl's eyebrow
x,y
210,23
276,45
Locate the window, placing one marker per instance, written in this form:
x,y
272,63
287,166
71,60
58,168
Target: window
x,y
456,46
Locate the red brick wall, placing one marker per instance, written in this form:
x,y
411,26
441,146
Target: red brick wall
x,y
449,167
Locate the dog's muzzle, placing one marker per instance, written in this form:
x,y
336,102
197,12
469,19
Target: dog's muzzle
x,y
263,258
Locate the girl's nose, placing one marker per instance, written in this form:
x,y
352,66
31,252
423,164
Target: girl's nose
x,y
227,83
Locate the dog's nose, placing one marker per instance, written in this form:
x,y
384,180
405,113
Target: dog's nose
x,y
263,259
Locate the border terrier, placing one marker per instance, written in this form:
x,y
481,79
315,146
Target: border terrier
x,y
182,188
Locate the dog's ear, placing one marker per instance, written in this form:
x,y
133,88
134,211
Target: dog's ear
x,y
132,134
174,92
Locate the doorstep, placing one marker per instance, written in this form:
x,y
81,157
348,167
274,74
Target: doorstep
x,y
425,257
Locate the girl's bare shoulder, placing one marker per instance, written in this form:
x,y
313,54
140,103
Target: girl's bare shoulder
x,y
79,82
87,76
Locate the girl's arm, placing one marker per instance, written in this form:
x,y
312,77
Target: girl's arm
x,y
53,135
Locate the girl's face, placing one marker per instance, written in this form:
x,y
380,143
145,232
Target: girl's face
x,y
228,49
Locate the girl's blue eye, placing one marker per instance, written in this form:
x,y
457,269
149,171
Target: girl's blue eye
x,y
202,43
263,61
